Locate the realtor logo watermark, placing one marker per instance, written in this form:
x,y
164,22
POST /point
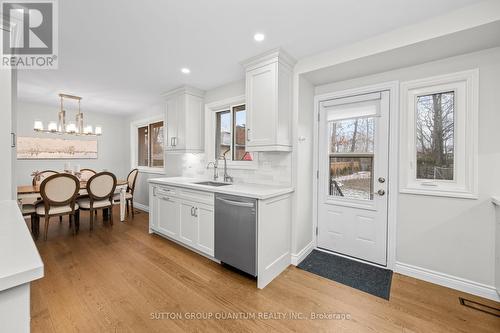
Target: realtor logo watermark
x,y
29,38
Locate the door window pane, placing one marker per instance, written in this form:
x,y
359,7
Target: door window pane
x,y
223,134
156,144
351,135
435,136
351,177
351,146
142,146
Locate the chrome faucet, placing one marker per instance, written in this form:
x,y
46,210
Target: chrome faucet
x,y
227,178
216,169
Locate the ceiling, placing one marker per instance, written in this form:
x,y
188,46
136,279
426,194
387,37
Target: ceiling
x,y
121,55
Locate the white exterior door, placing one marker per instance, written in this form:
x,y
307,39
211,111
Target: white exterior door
x,y
353,176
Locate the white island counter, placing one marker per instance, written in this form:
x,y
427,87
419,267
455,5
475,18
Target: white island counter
x,y
20,263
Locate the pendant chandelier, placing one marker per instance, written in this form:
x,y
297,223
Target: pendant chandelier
x,y
74,128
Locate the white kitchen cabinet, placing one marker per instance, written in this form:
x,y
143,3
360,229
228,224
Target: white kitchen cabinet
x,y
188,224
269,102
183,215
205,228
184,120
165,213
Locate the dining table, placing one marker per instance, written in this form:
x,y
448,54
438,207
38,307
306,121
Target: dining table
x,y
28,192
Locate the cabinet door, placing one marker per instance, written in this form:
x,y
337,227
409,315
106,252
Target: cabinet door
x,y
262,105
172,115
168,214
205,228
188,224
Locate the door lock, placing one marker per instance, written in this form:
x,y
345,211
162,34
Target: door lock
x,y
381,180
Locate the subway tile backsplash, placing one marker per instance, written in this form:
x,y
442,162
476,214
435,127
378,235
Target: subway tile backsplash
x,y
273,168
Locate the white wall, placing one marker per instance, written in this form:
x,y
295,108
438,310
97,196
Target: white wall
x,y
302,230
113,145
448,235
8,89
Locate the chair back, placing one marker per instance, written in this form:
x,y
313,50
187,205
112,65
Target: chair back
x,y
131,178
101,186
59,190
39,177
85,174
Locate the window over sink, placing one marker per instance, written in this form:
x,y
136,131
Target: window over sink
x,y
226,133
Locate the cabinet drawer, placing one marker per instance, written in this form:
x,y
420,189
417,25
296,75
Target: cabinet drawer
x,y
164,190
196,196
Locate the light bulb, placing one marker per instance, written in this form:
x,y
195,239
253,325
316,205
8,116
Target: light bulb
x,y
52,126
87,129
71,128
38,125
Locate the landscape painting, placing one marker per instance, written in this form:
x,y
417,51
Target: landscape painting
x,y
30,148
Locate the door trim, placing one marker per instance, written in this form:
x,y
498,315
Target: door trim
x,y
393,88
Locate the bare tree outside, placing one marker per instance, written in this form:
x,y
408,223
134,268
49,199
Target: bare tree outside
x,y
435,136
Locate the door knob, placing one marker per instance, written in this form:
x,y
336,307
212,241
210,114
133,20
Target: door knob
x,y
381,180
381,192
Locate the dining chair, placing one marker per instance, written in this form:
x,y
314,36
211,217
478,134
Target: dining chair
x,y
85,174
129,194
59,193
100,189
40,176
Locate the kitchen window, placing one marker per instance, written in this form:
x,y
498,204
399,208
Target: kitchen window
x,y
226,131
148,145
439,135
230,134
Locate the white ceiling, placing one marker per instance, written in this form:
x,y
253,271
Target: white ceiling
x,y
120,55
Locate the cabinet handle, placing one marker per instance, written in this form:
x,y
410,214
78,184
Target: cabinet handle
x,y
172,141
248,134
164,198
192,213
195,211
175,141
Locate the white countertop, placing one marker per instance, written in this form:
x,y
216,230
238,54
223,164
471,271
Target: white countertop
x,y
20,261
256,191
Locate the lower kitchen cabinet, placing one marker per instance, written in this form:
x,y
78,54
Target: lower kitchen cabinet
x,y
168,212
205,228
186,221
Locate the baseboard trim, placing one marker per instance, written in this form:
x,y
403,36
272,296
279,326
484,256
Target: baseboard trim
x,y
141,207
297,258
449,281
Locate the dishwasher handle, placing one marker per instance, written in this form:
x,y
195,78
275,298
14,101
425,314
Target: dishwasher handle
x,y
237,203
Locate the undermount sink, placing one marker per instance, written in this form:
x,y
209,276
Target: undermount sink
x,y
211,183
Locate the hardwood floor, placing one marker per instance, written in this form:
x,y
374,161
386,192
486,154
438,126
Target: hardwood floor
x,y
121,279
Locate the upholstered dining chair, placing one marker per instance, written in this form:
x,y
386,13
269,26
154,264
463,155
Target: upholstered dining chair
x,y
85,174
40,176
129,195
59,193
100,188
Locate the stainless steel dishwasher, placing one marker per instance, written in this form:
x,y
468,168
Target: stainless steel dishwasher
x,y
235,232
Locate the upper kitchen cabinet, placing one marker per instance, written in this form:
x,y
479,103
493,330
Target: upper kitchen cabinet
x,y
269,101
184,120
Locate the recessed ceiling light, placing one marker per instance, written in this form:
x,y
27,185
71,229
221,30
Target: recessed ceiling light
x,y
259,37
185,70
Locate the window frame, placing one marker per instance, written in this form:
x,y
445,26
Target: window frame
x,y
134,126
465,86
211,111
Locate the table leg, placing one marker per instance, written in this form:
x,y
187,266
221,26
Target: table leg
x,y
122,204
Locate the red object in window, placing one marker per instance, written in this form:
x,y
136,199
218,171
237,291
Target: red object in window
x,y
247,157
